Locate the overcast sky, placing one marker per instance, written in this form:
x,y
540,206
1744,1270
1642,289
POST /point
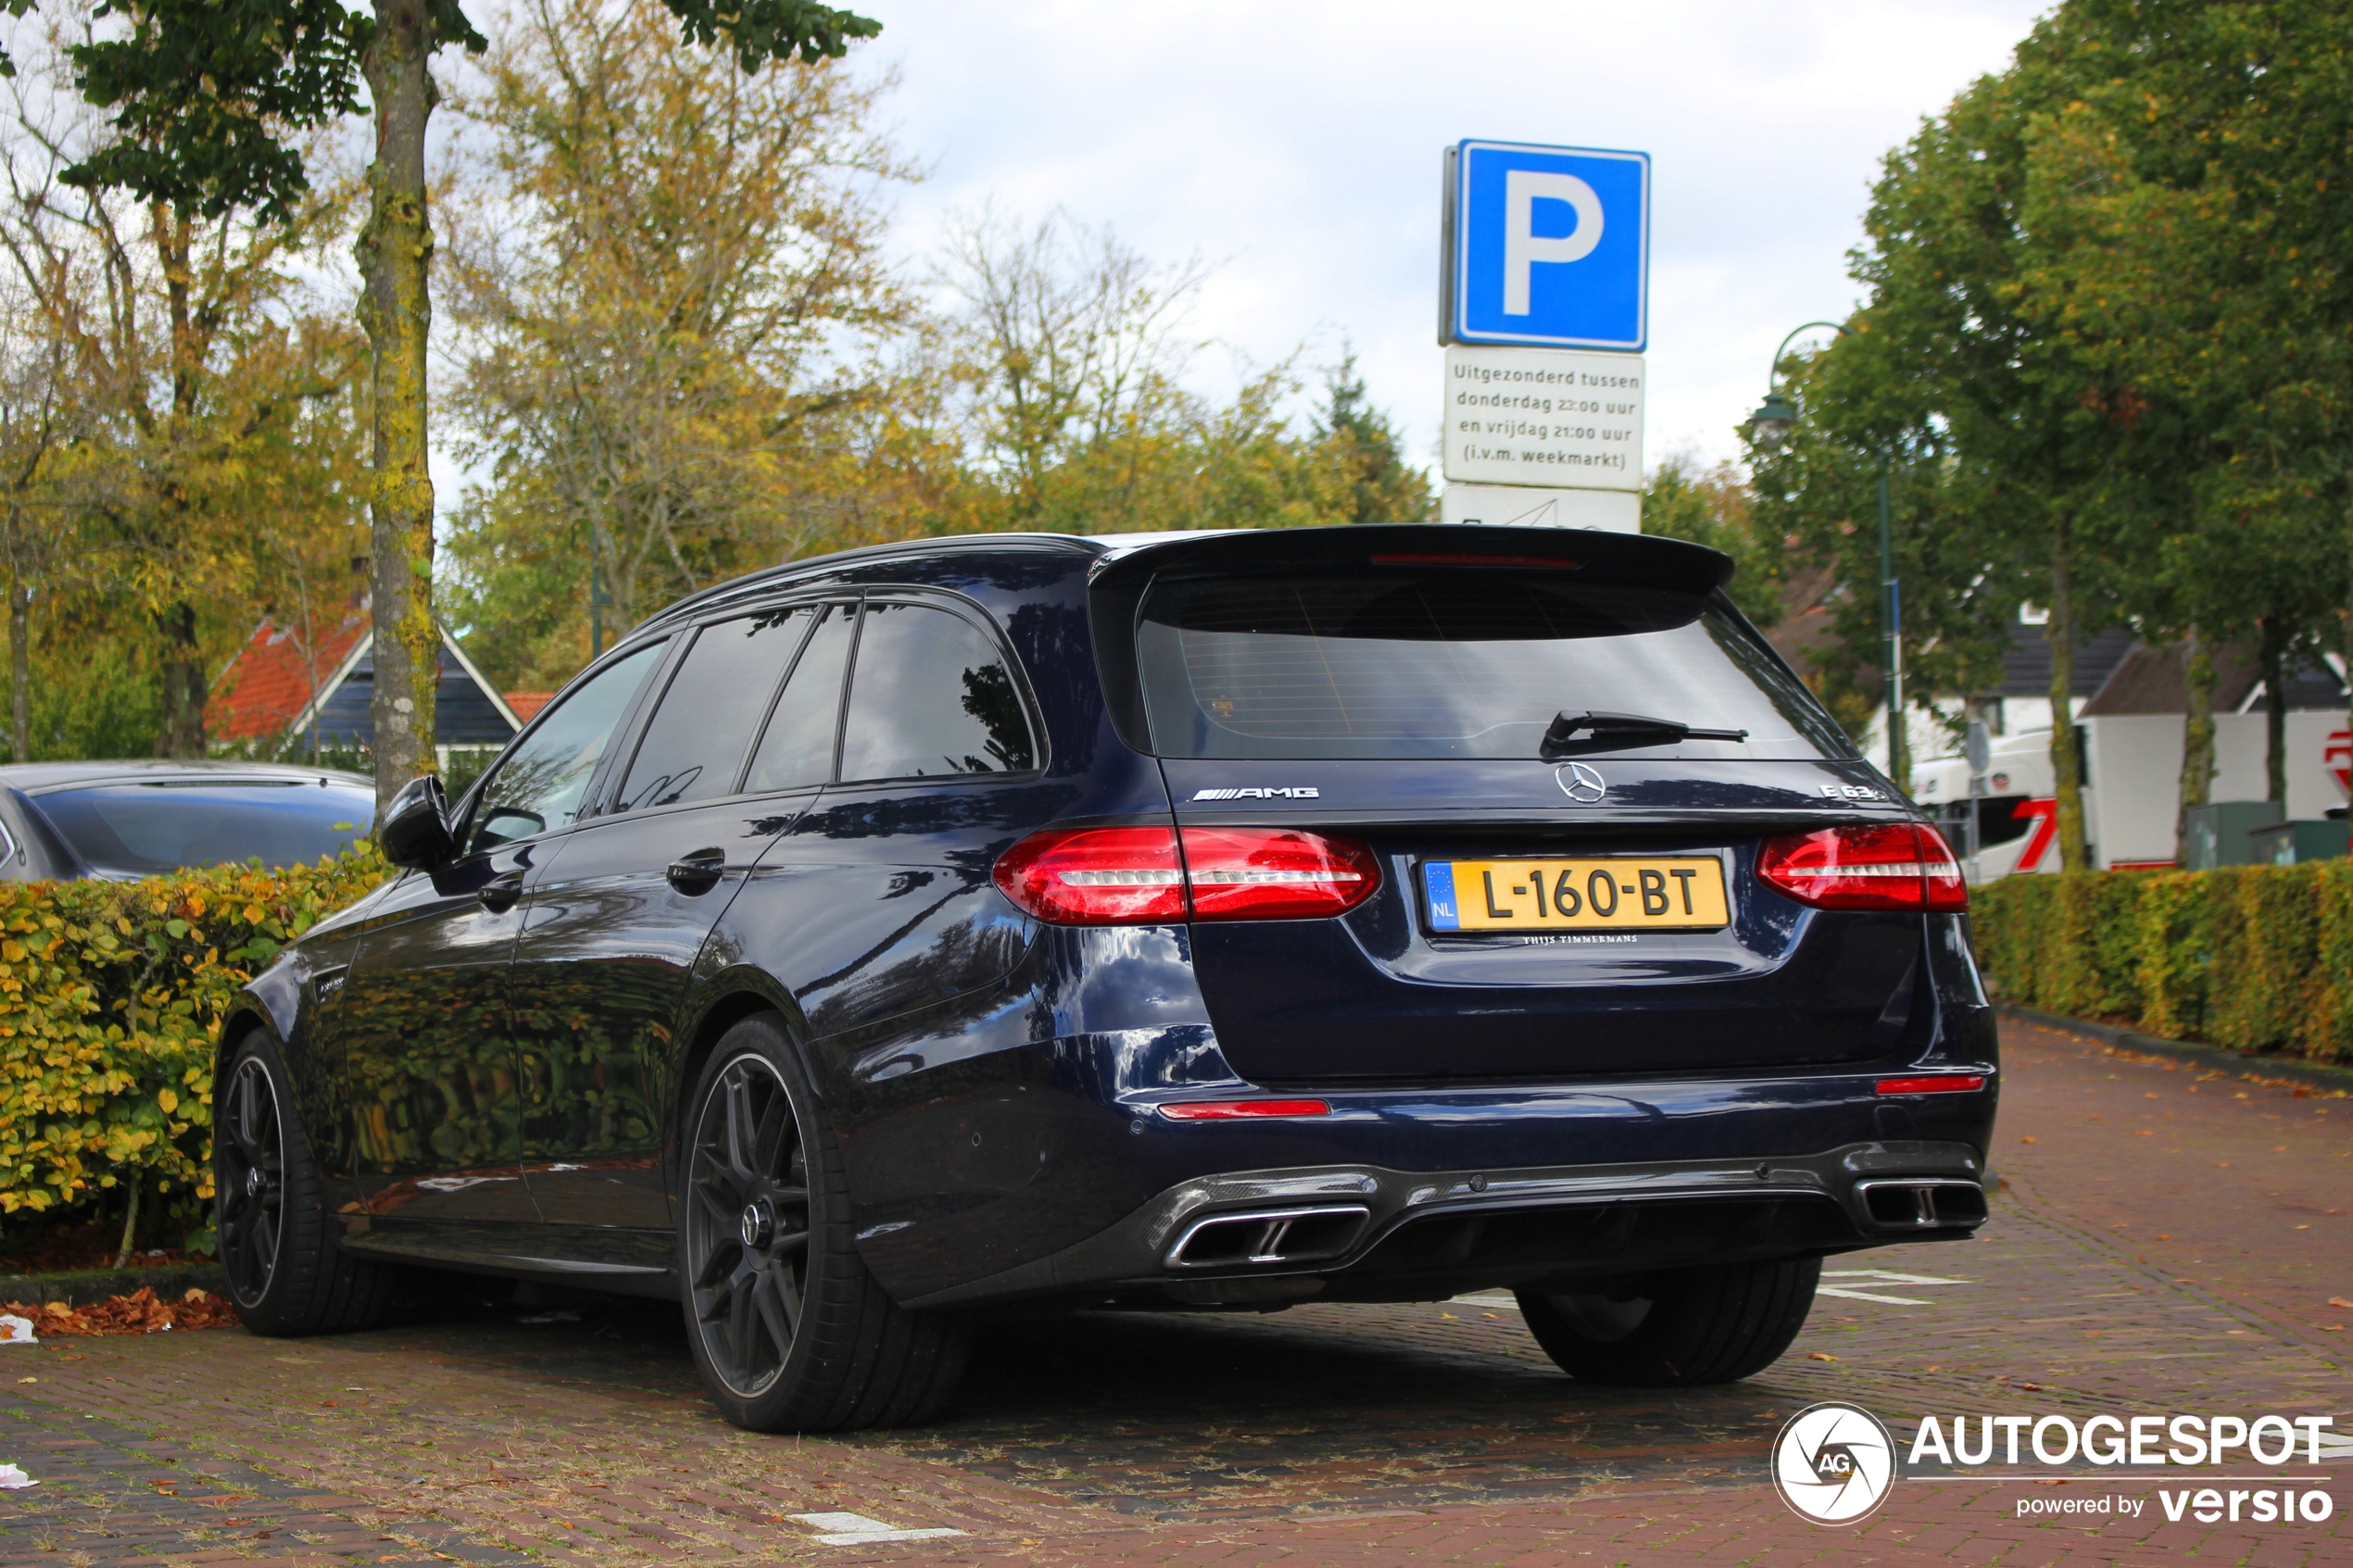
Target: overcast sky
x,y
1298,144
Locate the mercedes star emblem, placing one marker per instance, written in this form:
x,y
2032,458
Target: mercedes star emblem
x,y
1579,783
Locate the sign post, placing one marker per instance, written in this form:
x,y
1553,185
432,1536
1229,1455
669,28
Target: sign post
x,y
1544,314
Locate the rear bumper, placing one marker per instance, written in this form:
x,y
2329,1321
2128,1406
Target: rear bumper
x,y
1369,1233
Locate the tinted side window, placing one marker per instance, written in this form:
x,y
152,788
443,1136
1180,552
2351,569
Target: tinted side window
x,y
798,747
695,746
931,695
539,782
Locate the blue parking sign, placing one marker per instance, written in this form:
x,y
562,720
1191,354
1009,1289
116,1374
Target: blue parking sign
x,y
1551,246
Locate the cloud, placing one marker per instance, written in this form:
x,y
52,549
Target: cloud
x,y
1299,144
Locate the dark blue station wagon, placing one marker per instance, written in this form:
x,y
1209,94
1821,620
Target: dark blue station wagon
x,y
1215,921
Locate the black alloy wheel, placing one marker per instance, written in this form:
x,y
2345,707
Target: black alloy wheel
x,y
280,1247
250,1182
748,1225
789,1331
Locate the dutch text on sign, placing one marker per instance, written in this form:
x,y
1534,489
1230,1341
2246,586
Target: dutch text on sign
x,y
1542,417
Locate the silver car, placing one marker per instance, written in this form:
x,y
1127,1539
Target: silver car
x,y
124,821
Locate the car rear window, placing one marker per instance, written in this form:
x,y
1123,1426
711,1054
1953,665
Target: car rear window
x,y
1421,663
146,828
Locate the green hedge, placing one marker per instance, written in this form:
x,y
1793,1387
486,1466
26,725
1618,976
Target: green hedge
x,y
111,997
2256,958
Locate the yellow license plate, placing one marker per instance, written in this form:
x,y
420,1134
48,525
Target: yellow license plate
x,y
1677,893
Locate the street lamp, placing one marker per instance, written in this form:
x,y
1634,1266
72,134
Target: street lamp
x,y
1768,428
1770,425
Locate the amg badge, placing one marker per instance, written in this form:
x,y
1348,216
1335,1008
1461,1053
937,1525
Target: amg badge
x,y
1279,791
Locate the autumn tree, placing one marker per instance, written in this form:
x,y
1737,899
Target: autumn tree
x,y
668,288
210,107
189,361
1072,359
1363,441
1713,504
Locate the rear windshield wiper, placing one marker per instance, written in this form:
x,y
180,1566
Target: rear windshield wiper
x,y
1573,735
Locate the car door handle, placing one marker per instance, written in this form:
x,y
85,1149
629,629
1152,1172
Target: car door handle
x,y
698,873
501,892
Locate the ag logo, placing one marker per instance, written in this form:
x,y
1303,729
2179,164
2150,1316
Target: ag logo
x,y
1833,1463
1579,783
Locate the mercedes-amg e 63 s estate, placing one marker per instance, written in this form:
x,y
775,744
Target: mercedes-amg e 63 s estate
x,y
1210,921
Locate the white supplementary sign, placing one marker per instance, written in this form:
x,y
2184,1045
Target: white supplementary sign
x,y
1543,418
1514,506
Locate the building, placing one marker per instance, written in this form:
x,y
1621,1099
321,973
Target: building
x,y
292,684
2129,707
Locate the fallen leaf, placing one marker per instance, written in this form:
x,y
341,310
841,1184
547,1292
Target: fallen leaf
x,y
2339,1301
28,1380
1819,1355
2026,1140
1449,1317
2165,1236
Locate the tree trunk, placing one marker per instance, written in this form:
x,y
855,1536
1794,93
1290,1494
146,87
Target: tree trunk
x,y
21,671
130,1224
395,255
2059,632
2197,739
183,677
2274,657
183,683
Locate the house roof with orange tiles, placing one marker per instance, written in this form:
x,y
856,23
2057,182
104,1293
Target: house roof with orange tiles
x,y
284,679
279,671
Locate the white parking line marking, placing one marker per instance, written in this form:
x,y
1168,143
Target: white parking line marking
x,y
1867,1296
856,1529
1510,1301
1886,1277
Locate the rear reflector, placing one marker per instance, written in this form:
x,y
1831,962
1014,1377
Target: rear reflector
x,y
1943,1083
1138,876
1237,1110
1881,866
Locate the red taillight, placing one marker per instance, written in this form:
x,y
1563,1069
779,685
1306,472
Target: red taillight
x,y
1238,1109
1889,866
1264,874
1134,876
1942,1083
1096,876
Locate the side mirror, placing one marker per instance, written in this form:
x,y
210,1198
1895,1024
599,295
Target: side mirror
x,y
415,829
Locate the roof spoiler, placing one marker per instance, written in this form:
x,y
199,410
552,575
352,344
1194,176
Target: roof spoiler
x,y
1646,560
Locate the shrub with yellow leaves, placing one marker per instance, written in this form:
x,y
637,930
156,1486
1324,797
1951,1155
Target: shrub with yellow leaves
x,y
111,1000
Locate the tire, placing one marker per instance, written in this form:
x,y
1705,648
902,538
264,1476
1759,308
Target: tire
x,y
789,1332
288,1274
1688,1327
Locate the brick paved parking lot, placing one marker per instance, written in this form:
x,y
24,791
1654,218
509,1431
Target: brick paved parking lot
x,y
2170,1240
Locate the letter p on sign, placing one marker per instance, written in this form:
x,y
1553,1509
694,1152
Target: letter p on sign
x,y
1523,247
1550,246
